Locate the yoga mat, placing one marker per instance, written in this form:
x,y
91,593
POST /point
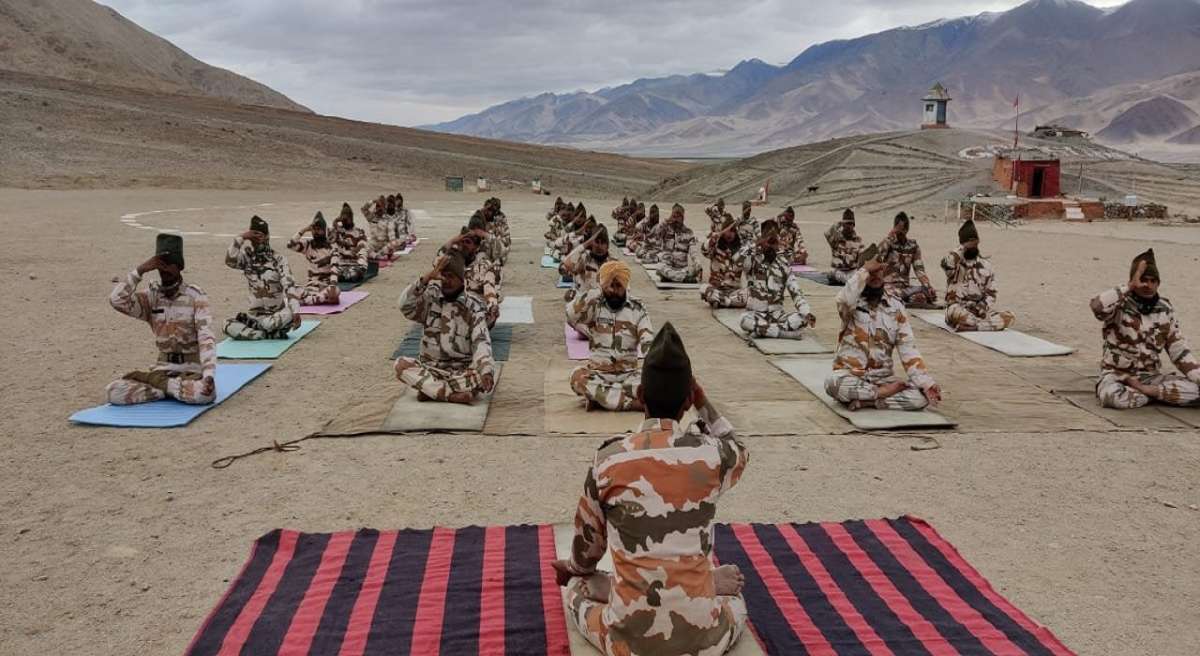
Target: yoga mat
x,y
883,586
372,271
345,300
578,347
548,262
804,268
564,284
473,590
819,277
1150,417
810,345
1013,343
408,415
662,284
169,413
263,349
627,252
811,373
516,309
410,346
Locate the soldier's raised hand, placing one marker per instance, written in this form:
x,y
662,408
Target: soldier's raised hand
x,y
153,264
1137,273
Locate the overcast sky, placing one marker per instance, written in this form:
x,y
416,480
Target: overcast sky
x,y
412,62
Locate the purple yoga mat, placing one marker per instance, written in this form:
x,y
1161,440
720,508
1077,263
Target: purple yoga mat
x,y
577,345
803,268
344,301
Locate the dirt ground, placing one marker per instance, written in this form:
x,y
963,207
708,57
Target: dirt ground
x,y
120,541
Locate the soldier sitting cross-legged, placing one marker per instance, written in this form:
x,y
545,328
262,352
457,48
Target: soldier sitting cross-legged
x,y
649,499
617,327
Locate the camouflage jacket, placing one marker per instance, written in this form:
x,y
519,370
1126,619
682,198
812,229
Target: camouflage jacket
x,y
716,218
748,229
845,251
903,261
455,333
568,241
349,246
1134,342
725,265
969,283
791,241
482,277
583,269
649,499
870,335
769,281
268,274
379,232
649,242
677,245
320,259
616,338
181,325
401,224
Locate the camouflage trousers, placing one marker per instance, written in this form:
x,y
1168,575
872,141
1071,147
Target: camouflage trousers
x,y
260,324
774,324
587,616
689,273
839,276
1177,390
911,295
383,250
435,382
156,384
800,256
351,272
961,319
847,388
724,298
611,391
647,256
316,292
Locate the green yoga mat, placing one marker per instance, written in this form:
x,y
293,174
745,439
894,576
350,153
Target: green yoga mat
x,y
410,346
263,349
548,262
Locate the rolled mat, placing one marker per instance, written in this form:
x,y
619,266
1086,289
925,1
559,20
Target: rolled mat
x,y
857,586
474,590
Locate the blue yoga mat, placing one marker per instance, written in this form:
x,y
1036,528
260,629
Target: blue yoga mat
x,y
548,262
564,284
263,349
170,413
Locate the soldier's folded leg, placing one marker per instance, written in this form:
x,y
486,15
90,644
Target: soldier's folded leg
x,y
1114,393
909,399
790,327
127,391
845,387
189,388
838,276
613,391
587,615
1178,390
437,384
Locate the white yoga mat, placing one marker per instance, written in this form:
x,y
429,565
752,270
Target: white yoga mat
x,y
1013,343
811,373
810,345
516,309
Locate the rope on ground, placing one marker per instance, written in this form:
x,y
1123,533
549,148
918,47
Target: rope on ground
x,y
276,446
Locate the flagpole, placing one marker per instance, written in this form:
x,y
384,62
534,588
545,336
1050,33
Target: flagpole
x,y
1016,120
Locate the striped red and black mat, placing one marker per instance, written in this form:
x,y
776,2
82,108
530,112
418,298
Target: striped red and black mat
x,y
851,588
872,587
449,591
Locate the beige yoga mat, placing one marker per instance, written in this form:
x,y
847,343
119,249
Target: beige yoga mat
x,y
565,412
811,373
1012,343
810,345
401,412
1151,417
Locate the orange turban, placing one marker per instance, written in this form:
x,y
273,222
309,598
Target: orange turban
x,y
614,270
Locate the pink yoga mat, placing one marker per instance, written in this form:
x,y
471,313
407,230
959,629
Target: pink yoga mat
x,y
803,268
383,264
577,345
344,301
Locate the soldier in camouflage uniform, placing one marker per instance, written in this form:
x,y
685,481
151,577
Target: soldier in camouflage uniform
x,y
583,264
558,224
649,245
572,234
497,226
903,258
636,214
620,217
874,326
274,296
617,327
716,216
791,242
846,246
455,363
769,277
649,499
1138,326
313,243
179,316
677,254
748,225
402,229
379,242
726,264
482,273
971,287
349,248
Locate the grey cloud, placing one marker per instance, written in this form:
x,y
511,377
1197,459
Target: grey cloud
x,y
419,61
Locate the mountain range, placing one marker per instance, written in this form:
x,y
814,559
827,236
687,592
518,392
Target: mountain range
x,y
1059,57
88,42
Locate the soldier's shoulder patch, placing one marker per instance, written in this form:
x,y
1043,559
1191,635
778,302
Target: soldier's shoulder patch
x,y
610,447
